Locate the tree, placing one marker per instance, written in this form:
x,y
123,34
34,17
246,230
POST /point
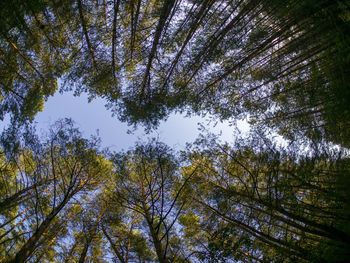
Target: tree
x,y
121,228
281,63
271,206
145,187
33,55
63,167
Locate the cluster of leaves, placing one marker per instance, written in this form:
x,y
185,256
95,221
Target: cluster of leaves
x,y
285,64
63,200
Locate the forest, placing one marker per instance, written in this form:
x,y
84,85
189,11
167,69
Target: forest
x,y
283,65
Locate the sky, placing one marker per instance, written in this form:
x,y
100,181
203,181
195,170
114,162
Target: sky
x,y
93,116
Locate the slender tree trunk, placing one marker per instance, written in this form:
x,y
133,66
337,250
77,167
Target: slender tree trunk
x,y
29,247
83,23
85,250
91,234
265,238
53,239
168,5
199,17
156,241
12,200
115,249
114,35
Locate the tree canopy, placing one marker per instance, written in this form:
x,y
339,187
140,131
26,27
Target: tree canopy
x,y
283,65
65,200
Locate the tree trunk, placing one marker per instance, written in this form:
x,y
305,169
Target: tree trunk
x,y
115,249
29,247
168,5
84,253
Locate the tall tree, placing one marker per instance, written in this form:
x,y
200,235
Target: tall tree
x,y
62,167
269,204
146,177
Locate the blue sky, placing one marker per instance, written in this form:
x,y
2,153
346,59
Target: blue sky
x,y
176,131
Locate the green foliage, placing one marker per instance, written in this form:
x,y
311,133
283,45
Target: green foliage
x,y
282,64
13,13
285,64
220,203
